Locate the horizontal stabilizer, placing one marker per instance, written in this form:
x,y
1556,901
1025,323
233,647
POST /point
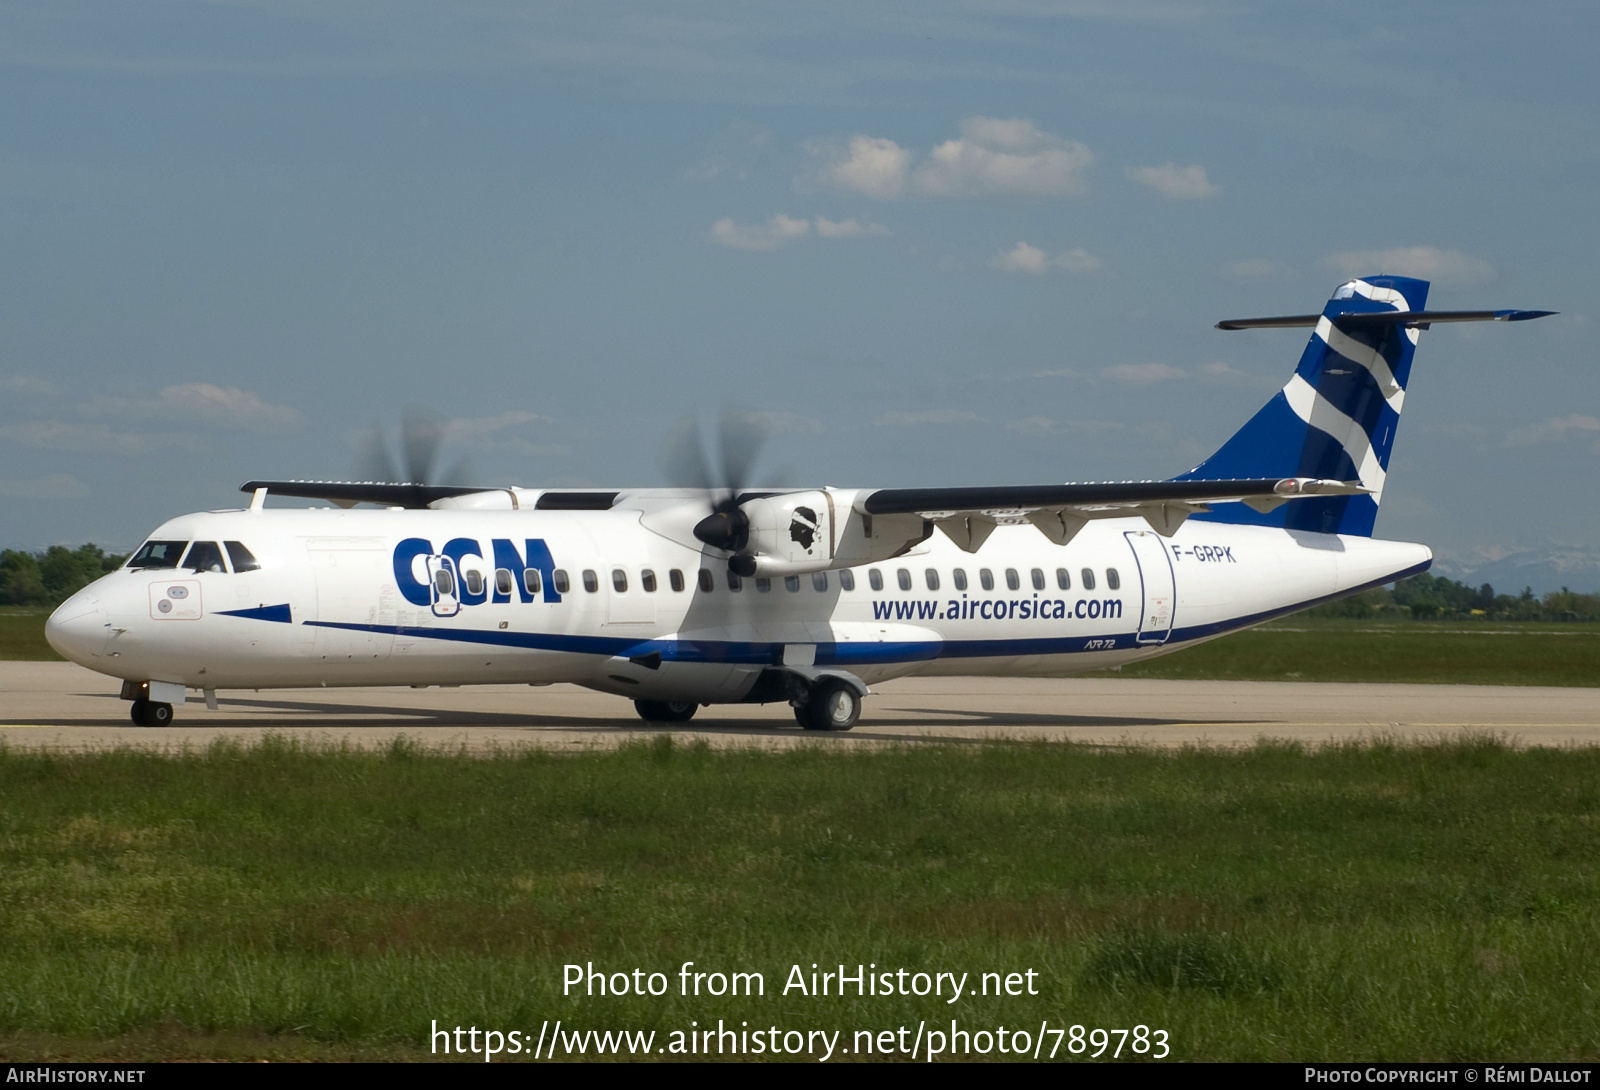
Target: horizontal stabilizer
x,y
1411,319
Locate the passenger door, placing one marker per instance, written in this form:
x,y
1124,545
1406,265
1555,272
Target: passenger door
x,y
1158,587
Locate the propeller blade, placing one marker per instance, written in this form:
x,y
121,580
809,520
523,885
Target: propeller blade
x,y
743,434
421,434
685,460
373,462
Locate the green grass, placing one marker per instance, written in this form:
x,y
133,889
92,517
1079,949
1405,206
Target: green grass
x,y
1372,901
1427,652
22,635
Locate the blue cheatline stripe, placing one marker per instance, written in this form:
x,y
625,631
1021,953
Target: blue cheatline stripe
x,y
278,613
845,654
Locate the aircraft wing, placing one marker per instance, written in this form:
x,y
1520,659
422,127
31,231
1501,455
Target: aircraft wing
x,y
969,515
350,493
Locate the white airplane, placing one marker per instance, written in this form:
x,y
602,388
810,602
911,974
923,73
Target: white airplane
x,y
683,597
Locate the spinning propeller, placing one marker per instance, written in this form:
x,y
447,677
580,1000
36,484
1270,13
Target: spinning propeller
x,y
422,433
741,434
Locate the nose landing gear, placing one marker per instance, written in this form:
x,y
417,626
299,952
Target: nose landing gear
x,y
151,713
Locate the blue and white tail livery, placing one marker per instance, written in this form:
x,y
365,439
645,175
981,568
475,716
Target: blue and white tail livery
x,y
679,598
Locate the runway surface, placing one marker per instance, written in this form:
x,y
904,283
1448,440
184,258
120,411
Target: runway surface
x,y
59,705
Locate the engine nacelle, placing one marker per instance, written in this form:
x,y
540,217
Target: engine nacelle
x,y
791,533
799,532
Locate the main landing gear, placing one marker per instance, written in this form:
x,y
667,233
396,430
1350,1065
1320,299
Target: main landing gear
x,y
831,704
151,713
666,711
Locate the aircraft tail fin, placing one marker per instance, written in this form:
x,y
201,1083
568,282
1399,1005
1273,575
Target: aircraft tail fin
x,y
1335,419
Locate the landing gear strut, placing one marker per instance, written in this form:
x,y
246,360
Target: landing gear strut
x,y
831,705
666,711
151,713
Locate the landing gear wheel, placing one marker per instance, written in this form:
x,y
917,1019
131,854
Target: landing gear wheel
x,y
150,713
833,706
666,711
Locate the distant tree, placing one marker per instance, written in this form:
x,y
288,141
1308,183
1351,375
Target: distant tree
x,y
53,576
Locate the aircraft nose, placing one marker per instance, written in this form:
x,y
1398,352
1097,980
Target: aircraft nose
x,y
77,629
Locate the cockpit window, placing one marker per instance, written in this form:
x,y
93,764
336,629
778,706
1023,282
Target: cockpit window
x,y
204,556
157,554
241,557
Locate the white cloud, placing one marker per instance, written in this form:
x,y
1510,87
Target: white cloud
x,y
1022,258
897,419
227,407
850,228
1174,182
1077,260
733,153
1220,371
27,386
1031,259
1142,374
1004,158
1255,268
84,438
780,230
52,486
1553,430
1039,426
782,423
870,165
1425,262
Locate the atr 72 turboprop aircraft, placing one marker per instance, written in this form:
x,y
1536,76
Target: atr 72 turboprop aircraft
x,y
682,597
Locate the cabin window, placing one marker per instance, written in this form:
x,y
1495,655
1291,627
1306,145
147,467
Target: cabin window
x,y
932,576
986,577
619,580
675,578
503,582
1038,579
903,577
591,581
204,556
474,581
1088,578
158,554
959,577
444,583
819,581
847,580
763,584
1113,580
1063,579
1012,580
875,578
559,578
708,582
734,582
647,580
530,580
240,557
791,583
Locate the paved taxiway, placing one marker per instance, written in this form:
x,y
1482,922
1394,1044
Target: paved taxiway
x,y
62,706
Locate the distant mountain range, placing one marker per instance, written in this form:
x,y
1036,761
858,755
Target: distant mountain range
x,y
1545,567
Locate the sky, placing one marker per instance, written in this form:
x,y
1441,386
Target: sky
x,y
932,243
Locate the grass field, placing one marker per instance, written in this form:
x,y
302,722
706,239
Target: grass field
x,y
1366,901
1423,652
22,635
